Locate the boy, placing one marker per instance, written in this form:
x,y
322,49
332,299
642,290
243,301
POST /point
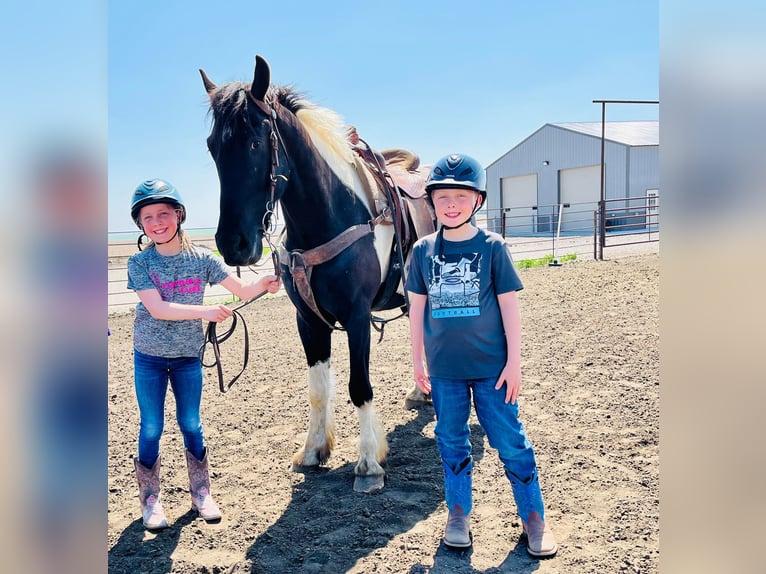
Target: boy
x,y
464,314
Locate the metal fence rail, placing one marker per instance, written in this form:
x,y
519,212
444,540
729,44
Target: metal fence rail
x,y
575,227
532,232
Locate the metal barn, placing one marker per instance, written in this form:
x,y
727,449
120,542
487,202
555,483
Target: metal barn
x,y
551,181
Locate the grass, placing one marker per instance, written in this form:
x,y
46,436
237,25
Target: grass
x,y
527,263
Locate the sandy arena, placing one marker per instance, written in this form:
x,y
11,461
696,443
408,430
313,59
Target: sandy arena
x,y
589,401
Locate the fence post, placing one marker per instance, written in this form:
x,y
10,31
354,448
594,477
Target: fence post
x,y
502,223
595,233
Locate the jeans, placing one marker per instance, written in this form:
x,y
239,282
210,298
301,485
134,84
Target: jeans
x,y
151,378
505,432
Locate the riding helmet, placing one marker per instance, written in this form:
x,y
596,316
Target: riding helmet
x,y
156,191
457,170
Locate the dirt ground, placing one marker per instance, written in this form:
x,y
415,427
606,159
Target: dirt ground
x,y
590,403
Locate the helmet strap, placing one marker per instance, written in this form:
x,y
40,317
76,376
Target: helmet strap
x,y
476,207
178,228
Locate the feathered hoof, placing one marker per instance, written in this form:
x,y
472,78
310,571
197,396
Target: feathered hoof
x,y
369,476
367,484
310,458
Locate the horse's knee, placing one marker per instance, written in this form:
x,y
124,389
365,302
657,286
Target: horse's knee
x,y
360,393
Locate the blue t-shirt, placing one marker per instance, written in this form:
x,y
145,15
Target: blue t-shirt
x,y
180,278
463,332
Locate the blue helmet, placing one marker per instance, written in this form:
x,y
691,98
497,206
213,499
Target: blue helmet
x,y
156,191
457,170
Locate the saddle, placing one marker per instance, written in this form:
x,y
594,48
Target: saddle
x,y
397,170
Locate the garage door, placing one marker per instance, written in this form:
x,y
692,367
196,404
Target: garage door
x,y
581,188
519,197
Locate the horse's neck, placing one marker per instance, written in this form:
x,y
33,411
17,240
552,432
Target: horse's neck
x,y
313,214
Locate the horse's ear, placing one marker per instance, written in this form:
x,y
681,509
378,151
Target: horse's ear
x,y
261,79
209,85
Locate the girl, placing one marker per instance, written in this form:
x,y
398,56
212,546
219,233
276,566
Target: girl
x,y
170,277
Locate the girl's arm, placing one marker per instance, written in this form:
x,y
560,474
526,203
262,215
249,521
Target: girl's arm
x,y
168,311
246,291
511,375
417,310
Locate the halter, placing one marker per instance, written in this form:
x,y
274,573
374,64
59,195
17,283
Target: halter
x,y
275,139
269,226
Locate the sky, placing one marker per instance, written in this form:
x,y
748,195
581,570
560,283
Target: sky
x,y
432,77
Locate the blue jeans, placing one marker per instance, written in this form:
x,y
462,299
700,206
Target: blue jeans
x,y
505,432
151,378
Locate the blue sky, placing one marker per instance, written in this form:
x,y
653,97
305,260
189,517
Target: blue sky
x,y
434,77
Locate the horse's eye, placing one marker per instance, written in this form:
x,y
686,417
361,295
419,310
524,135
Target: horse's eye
x,y
254,145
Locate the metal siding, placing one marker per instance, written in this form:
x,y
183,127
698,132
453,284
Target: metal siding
x,y
565,149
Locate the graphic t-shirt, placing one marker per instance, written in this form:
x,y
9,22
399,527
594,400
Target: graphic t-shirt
x,y
463,330
180,278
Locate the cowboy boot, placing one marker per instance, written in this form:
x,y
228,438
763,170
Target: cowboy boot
x,y
199,487
457,489
152,512
541,542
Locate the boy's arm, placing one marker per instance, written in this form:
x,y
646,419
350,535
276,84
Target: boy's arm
x,y
511,375
417,311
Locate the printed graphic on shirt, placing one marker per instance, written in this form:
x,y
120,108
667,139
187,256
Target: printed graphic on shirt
x,y
454,285
168,288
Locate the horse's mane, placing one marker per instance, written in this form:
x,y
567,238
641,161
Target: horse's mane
x,y
325,127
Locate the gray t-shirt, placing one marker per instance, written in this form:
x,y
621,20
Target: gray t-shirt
x,y
463,332
179,278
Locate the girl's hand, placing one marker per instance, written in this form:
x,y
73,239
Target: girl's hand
x,y
271,283
511,377
216,313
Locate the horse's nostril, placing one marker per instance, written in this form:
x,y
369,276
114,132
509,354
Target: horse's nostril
x,y
242,243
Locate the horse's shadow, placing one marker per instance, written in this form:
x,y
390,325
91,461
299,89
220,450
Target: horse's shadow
x,y
135,551
326,529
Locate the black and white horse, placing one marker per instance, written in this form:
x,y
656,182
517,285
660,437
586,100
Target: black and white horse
x,y
272,145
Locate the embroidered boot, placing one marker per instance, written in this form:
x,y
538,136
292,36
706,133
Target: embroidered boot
x,y
457,490
152,513
199,487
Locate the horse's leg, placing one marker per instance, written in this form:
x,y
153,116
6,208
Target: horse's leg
x,y
320,438
373,446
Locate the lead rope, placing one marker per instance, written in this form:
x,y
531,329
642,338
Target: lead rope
x,y
210,334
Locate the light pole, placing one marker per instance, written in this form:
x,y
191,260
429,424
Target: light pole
x,y
602,195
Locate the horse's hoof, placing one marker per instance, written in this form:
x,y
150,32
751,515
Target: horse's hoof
x,y
416,399
369,483
412,404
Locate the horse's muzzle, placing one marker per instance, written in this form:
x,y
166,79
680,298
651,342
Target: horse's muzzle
x,y
238,250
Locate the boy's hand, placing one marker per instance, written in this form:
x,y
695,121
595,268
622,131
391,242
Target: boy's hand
x,y
422,379
511,377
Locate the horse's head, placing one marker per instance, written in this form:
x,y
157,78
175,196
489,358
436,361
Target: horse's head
x,y
245,146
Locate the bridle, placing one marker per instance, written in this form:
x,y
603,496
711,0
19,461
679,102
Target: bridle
x,y
269,227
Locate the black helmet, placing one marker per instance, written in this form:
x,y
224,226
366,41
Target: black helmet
x,y
458,170
156,191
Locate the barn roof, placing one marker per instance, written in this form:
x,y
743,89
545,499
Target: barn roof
x,y
628,133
